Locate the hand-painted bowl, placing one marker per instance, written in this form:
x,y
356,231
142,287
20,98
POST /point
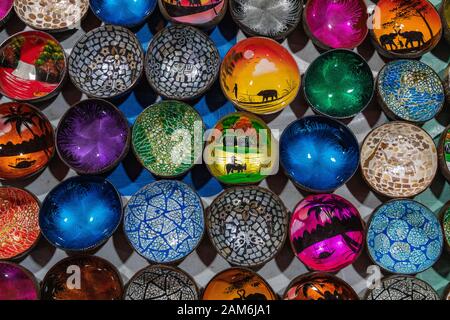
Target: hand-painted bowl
x,y
92,136
398,160
444,153
19,222
26,141
404,236
319,154
319,286
106,62
164,221
402,288
188,69
17,283
5,10
410,90
446,83
445,17
82,278
51,15
161,283
241,150
326,232
168,138
339,84
80,213
32,66
333,24
123,12
247,225
260,76
444,217
270,18
404,28
238,284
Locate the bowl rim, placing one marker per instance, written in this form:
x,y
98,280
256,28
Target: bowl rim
x,y
29,274
7,14
441,154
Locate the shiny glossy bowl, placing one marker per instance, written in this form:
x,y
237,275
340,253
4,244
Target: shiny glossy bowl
x,y
5,10
17,283
444,153
123,12
402,288
444,217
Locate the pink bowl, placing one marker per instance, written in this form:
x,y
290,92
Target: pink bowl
x,y
5,8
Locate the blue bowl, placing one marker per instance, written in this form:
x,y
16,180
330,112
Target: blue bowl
x,y
123,12
319,154
164,221
80,213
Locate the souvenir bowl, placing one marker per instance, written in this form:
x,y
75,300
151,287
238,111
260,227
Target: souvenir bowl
x,y
398,160
161,282
270,18
446,83
444,217
80,213
164,221
238,284
188,69
106,62
32,66
17,283
444,153
326,232
19,222
405,29
247,225
318,154
26,141
335,24
339,84
402,287
98,280
260,76
404,236
168,138
92,137
5,10
123,12
445,17
51,15
319,286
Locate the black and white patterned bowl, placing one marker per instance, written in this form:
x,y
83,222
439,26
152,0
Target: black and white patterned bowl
x,y
181,63
106,62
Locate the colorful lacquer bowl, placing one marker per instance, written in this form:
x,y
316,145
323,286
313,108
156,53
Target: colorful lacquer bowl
x,y
164,221
404,28
444,153
92,136
82,278
333,24
404,236
123,12
5,10
339,84
319,154
402,288
17,283
326,232
106,62
238,284
260,76
32,66
19,222
445,16
161,283
168,138
240,150
26,141
80,213
398,160
446,83
319,286
444,217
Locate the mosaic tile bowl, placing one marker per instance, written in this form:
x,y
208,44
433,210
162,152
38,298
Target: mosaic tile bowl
x,y
444,153
445,17
404,236
17,283
164,221
398,160
168,138
238,284
123,12
318,154
335,24
80,213
26,141
5,10
339,84
326,232
99,280
32,66
444,217
92,137
402,288
260,76
161,283
106,62
247,225
271,18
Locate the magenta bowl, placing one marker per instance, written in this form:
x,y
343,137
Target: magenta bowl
x,y
5,10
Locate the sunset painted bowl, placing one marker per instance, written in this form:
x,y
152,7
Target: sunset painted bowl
x,y
17,283
123,12
401,287
5,10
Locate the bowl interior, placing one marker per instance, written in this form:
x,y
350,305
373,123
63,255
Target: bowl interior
x,y
194,12
123,12
5,8
17,283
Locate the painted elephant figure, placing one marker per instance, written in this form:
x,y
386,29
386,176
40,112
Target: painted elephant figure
x,y
411,37
388,40
268,94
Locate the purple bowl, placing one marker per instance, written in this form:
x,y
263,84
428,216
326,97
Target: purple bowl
x,y
5,10
17,283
